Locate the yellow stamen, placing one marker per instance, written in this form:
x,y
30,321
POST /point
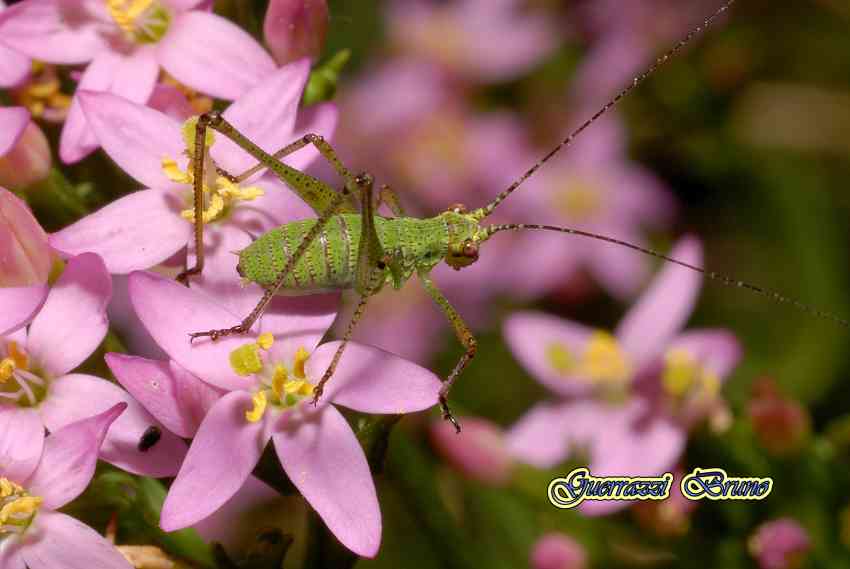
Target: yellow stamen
x,y
245,360
560,358
579,201
7,366
174,173
265,340
18,356
279,381
43,93
684,374
260,402
603,361
301,357
21,507
7,488
142,21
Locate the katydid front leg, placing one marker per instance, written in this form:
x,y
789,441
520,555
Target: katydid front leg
x,y
464,335
315,193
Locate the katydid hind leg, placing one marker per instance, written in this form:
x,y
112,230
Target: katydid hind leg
x,y
464,336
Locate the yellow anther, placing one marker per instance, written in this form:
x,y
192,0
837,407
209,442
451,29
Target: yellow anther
x,y
579,200
142,21
18,355
279,381
43,93
260,402
22,507
174,173
301,357
710,384
7,488
603,361
7,366
299,387
265,340
560,358
680,372
245,360
228,189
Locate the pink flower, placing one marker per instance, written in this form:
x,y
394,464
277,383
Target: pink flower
x,y
780,544
267,378
38,390
125,44
24,261
25,156
556,550
40,481
296,28
479,451
149,226
483,40
14,66
627,399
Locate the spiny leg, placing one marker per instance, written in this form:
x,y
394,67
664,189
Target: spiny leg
x,y
314,192
388,196
464,335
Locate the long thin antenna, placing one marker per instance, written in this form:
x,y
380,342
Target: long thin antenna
x,y
488,209
729,281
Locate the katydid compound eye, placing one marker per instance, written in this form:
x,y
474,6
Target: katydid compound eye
x,y
239,270
470,250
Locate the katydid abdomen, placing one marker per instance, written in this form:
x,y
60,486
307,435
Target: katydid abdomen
x,y
330,262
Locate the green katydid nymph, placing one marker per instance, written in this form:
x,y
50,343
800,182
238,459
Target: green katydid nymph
x,y
350,246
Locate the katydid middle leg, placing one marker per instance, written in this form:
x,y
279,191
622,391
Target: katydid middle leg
x,y
464,335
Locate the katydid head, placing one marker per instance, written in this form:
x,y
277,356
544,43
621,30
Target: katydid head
x,y
464,232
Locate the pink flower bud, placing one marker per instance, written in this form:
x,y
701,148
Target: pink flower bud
x,y
779,544
28,161
24,253
478,451
558,551
296,28
781,424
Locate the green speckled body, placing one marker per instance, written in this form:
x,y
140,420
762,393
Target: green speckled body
x,y
330,263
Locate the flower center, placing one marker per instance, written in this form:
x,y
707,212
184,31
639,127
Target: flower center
x,y
603,363
141,21
18,383
684,378
579,201
17,507
42,94
280,385
219,192
200,103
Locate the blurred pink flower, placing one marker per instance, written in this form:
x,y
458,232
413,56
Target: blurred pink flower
x,y
557,550
126,43
38,391
296,28
780,544
14,66
479,451
39,481
267,380
781,424
147,227
593,187
28,160
24,261
627,399
480,40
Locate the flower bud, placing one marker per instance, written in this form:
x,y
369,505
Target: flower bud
x,y
779,544
781,424
667,518
28,161
478,452
24,253
296,28
558,551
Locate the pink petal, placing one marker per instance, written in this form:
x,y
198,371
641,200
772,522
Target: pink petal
x,y
277,206
73,320
663,309
136,137
133,232
371,380
225,64
70,455
20,305
174,396
56,540
324,460
55,31
15,69
11,554
76,396
318,119
621,271
532,335
716,349
223,454
21,441
547,434
13,121
265,114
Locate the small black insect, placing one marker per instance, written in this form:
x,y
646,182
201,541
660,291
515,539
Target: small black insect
x,y
149,438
